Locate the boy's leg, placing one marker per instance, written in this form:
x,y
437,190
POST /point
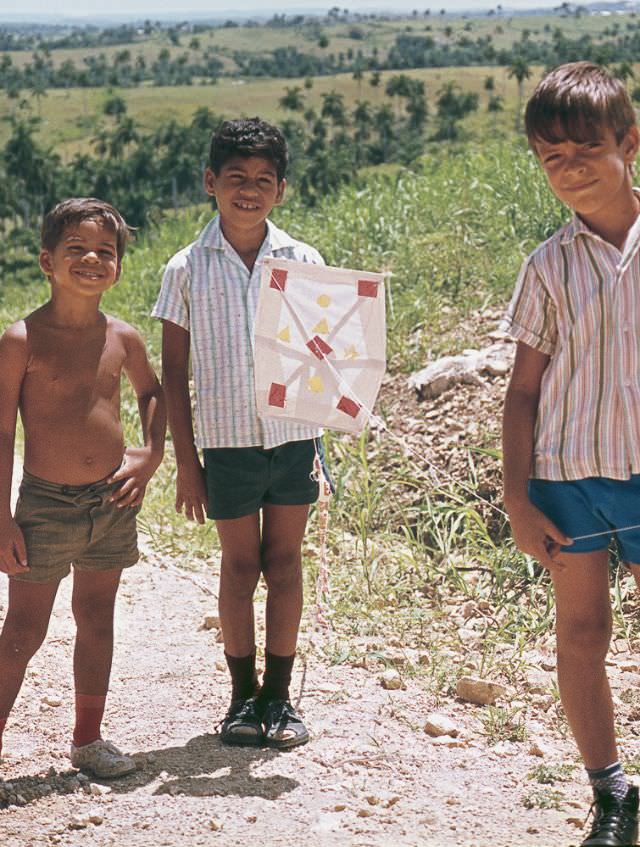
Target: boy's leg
x,y
24,630
93,601
583,632
282,533
239,575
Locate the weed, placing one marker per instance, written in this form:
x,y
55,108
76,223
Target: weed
x,y
502,724
550,774
544,798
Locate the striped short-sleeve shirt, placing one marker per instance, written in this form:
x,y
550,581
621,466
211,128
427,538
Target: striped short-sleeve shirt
x,y
577,300
209,291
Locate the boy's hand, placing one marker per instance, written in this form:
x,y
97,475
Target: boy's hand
x,y
191,492
13,552
537,536
138,466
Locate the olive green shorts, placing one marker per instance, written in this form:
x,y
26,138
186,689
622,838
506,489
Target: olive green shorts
x,y
77,525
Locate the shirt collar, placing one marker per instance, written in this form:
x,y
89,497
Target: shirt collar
x,y
577,226
213,238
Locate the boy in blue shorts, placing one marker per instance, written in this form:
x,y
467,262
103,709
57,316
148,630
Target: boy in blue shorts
x,y
256,480
572,410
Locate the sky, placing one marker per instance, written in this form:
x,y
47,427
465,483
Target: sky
x,y
83,9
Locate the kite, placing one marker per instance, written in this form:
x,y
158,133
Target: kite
x,y
319,343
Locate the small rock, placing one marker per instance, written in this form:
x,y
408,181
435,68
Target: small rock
x,y
577,822
78,822
483,692
339,807
52,699
436,725
219,637
391,680
211,622
446,741
215,825
423,657
539,748
364,813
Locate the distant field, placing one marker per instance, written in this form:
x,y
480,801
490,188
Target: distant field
x,y
70,117
379,34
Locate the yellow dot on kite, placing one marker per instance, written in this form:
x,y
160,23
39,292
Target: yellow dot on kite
x,y
284,334
351,353
322,327
323,300
316,385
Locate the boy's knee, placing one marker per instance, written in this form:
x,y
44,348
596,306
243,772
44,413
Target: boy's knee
x,y
21,641
240,575
584,639
282,569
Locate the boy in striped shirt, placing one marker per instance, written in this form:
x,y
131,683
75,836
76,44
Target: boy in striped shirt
x,y
571,433
256,481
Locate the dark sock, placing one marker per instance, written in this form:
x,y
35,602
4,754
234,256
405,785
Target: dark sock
x,y
609,780
277,677
244,679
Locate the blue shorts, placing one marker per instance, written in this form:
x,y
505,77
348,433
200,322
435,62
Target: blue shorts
x,y
240,480
596,504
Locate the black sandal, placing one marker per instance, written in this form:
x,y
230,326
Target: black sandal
x,y
283,726
242,724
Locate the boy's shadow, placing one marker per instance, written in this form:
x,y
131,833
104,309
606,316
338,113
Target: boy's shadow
x,y
191,769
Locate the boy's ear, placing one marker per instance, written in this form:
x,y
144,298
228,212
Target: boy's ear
x,y
280,193
46,265
631,144
209,182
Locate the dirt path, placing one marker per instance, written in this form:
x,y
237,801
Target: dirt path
x,y
370,775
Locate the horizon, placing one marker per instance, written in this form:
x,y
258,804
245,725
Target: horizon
x,y
92,10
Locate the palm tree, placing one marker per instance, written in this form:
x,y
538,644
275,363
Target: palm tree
x,y
519,69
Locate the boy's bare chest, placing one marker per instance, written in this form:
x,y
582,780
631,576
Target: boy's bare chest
x,y
78,367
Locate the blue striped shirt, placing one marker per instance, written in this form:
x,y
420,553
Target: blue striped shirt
x,y
208,290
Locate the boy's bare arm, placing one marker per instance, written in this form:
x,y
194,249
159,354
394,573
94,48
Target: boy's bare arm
x,y
140,463
532,531
191,492
13,364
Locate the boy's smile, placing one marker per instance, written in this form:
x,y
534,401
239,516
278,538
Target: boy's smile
x,y
85,262
246,190
592,177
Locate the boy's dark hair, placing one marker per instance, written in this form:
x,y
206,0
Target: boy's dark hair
x,y
575,102
248,137
78,209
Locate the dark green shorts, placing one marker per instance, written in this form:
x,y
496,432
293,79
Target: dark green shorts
x,y
242,479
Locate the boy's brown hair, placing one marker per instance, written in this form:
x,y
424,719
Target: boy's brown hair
x,y
576,102
78,209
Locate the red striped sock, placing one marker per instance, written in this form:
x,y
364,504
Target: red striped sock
x,y
89,712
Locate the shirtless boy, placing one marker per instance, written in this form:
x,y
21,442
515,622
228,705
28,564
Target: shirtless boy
x,y
81,489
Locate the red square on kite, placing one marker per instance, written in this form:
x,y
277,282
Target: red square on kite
x,y
348,406
277,394
278,279
318,347
367,288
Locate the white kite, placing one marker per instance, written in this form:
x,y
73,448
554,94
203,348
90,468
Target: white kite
x,y
319,343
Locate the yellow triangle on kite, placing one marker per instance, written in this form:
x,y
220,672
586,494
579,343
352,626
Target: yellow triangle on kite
x,y
284,334
316,385
351,353
322,327
323,300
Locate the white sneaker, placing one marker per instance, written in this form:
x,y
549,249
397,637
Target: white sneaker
x,y
102,759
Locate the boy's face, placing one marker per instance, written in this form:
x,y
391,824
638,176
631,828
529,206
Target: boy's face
x,y
588,175
85,261
246,190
